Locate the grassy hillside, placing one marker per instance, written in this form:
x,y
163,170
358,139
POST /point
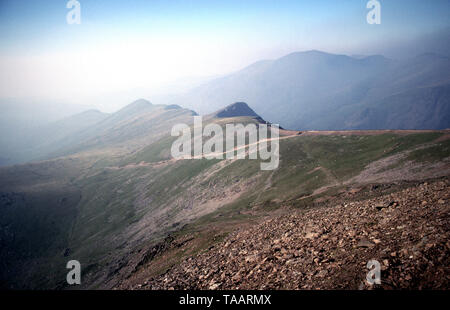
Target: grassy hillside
x,y
106,211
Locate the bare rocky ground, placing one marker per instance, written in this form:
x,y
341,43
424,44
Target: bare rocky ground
x,y
328,247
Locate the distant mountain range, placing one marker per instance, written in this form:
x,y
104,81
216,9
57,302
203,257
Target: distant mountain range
x,y
136,124
320,91
22,119
309,90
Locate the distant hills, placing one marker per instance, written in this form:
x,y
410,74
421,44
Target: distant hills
x,y
22,119
320,91
133,127
309,90
37,142
137,124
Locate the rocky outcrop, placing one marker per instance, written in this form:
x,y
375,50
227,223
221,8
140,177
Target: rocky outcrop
x,y
235,110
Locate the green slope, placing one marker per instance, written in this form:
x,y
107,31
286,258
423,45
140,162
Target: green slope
x,y
105,210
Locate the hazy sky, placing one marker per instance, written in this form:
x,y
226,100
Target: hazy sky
x,y
121,46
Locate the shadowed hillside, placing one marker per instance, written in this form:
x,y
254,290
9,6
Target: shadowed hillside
x,y
314,90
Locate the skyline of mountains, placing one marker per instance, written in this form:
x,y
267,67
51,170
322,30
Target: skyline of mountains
x,y
136,124
109,192
314,90
309,90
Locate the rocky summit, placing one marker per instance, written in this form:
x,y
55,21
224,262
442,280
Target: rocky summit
x,y
234,110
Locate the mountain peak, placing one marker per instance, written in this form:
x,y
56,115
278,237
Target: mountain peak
x,y
234,110
140,103
136,106
172,107
309,53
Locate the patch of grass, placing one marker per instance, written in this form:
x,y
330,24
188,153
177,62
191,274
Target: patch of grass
x,y
430,154
158,151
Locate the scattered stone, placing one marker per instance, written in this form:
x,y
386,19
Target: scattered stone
x,y
328,247
364,243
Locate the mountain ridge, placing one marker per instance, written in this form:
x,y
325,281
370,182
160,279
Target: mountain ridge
x,y
314,90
